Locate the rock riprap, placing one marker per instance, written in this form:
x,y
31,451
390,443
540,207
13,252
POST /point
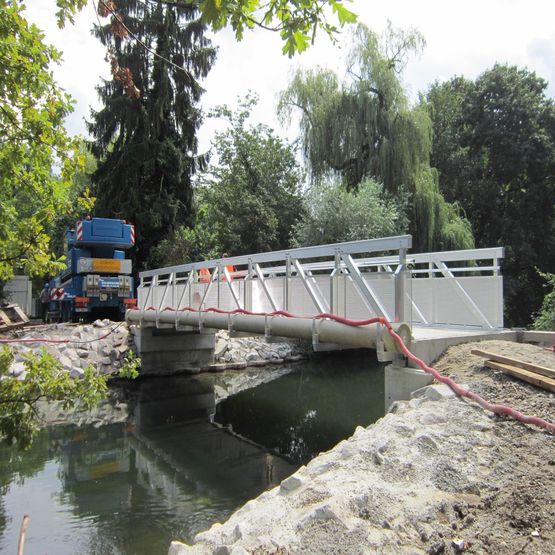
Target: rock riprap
x,y
234,352
390,488
102,344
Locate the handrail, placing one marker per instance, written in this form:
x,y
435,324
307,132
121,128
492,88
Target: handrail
x,y
442,290
351,247
469,255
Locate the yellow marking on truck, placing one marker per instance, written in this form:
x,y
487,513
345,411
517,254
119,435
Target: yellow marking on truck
x,y
109,265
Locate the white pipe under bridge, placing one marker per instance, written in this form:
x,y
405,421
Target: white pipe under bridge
x,y
358,280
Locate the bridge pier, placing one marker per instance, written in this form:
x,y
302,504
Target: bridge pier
x,y
168,351
401,381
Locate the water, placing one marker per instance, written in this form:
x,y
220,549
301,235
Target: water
x,y
181,463
311,409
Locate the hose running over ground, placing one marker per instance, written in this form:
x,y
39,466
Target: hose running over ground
x,y
460,391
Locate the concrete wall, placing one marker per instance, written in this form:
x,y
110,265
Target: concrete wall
x,y
168,351
401,381
18,291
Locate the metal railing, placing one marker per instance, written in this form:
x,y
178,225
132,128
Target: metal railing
x,y
454,288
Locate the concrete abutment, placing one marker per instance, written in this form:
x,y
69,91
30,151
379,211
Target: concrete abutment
x,y
168,351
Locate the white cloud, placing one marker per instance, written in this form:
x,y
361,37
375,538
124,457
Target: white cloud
x,y
463,38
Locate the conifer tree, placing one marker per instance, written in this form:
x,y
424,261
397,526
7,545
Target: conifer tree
x,y
145,135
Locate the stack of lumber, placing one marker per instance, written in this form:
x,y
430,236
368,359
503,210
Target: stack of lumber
x,y
539,376
11,316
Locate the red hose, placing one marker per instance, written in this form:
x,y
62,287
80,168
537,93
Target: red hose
x,y
492,407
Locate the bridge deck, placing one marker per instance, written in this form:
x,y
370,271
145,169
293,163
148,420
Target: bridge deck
x,y
446,297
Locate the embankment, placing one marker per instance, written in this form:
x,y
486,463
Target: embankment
x,y
436,475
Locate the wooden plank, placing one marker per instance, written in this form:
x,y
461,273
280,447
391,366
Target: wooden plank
x,y
524,375
11,316
20,314
514,362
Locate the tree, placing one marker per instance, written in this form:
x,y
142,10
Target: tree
x,y
495,151
80,201
336,215
255,185
297,21
45,379
248,199
147,142
37,158
365,127
545,318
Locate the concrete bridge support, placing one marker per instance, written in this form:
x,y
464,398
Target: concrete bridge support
x,y
401,381
168,351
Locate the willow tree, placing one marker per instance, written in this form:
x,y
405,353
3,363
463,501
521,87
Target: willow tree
x,y
365,127
145,136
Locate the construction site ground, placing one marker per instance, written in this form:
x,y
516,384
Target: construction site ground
x,y
436,475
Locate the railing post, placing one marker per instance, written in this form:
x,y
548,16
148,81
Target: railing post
x,y
334,289
287,283
400,286
248,286
218,284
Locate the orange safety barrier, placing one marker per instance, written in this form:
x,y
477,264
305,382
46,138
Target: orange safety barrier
x,y
231,270
204,275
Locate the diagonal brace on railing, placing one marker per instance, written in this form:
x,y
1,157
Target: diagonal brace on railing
x,y
227,277
312,288
163,299
363,286
467,299
213,277
262,281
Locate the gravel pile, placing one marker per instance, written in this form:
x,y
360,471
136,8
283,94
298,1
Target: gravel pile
x,y
236,352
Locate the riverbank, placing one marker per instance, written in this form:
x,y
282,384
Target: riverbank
x,y
104,346
435,475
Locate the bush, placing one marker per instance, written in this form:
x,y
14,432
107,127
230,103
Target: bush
x,y
336,215
545,319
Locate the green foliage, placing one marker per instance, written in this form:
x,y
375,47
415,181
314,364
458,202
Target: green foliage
x,y
365,128
80,204
545,318
494,148
37,159
250,198
296,21
186,244
336,215
147,146
45,379
438,224
130,367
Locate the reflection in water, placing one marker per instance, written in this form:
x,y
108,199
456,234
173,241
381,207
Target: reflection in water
x,y
171,471
311,410
131,488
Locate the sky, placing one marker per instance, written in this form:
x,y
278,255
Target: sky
x,y
462,38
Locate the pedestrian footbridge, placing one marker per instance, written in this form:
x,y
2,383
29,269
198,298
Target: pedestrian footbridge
x,y
433,300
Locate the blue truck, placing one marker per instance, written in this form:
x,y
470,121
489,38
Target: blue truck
x,y
97,282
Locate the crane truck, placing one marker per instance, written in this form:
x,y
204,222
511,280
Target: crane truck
x,y
97,281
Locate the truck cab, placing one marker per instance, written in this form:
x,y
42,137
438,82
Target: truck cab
x,y
97,281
